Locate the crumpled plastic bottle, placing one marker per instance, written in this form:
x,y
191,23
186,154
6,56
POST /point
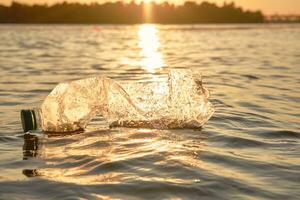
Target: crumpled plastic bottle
x,y
179,102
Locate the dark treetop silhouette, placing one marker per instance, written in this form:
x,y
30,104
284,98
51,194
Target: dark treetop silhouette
x,y
121,13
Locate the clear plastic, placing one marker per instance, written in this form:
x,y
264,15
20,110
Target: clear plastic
x,y
179,102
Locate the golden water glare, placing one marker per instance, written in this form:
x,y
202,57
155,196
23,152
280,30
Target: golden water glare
x,y
152,59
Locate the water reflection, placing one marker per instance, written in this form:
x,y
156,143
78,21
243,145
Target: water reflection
x,y
30,147
31,172
152,59
112,156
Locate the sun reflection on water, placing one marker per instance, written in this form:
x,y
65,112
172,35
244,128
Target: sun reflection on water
x,y
152,59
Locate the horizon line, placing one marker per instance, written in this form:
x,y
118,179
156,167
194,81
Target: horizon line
x,y
138,2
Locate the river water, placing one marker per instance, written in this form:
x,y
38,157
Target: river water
x,y
249,149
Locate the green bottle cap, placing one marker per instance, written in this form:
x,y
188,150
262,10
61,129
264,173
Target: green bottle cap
x,y
28,120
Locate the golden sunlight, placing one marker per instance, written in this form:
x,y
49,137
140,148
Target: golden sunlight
x,y
149,44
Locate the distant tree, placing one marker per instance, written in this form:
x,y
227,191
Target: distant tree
x,y
130,13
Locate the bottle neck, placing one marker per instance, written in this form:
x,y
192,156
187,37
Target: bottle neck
x,y
38,117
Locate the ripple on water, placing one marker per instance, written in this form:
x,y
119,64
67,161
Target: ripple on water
x,y
248,149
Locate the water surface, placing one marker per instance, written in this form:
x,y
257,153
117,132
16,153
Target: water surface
x,y
250,148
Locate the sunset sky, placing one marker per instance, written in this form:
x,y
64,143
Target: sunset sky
x,y
267,6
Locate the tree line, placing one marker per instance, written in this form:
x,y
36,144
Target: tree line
x,y
128,13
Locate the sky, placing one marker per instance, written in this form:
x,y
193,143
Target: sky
x,y
267,6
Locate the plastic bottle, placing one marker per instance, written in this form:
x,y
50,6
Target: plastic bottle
x,y
179,102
